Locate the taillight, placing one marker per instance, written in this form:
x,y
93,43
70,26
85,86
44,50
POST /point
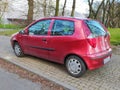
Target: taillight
x,y
92,40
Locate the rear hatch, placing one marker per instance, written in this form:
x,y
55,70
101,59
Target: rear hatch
x,y
98,36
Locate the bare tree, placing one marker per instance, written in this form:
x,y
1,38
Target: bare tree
x,y
57,8
64,6
44,8
102,11
73,8
51,8
30,11
107,11
111,13
94,8
3,8
117,14
98,9
108,16
90,3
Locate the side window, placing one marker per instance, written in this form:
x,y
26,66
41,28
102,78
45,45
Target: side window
x,y
63,27
39,28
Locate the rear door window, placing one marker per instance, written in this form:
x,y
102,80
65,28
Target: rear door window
x,y
95,28
62,27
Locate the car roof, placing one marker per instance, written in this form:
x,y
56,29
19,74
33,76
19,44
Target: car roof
x,y
59,17
67,18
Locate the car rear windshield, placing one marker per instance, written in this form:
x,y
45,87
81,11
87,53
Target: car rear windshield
x,y
95,28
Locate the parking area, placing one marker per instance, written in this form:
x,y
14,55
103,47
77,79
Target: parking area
x,y
105,78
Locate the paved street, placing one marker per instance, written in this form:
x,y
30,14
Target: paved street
x,y
9,81
105,78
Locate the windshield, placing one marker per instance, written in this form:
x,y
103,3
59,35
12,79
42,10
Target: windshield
x,y
95,28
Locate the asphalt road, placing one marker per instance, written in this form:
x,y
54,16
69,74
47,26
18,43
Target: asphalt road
x,y
10,81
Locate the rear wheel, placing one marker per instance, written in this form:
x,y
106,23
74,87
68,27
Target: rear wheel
x,y
75,66
18,51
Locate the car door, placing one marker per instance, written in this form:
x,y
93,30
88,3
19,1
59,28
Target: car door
x,y
61,36
36,42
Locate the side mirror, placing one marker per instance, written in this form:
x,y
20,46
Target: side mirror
x,y
22,32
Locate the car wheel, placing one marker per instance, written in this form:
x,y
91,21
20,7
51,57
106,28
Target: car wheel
x,y
75,66
18,51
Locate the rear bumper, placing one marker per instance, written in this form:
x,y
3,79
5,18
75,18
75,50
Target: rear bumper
x,y
94,61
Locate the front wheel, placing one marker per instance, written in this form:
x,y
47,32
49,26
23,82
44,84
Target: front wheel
x,y
18,51
75,66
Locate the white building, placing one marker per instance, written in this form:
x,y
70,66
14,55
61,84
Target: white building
x,y
18,9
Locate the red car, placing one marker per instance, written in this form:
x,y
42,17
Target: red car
x,y
80,44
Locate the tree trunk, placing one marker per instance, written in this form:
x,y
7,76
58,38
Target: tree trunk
x,y
98,9
30,11
113,13
90,3
73,8
103,15
110,13
57,8
44,8
64,8
3,9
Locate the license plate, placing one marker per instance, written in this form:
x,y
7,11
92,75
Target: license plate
x,y
106,60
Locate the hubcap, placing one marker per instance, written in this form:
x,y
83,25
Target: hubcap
x,y
17,49
74,66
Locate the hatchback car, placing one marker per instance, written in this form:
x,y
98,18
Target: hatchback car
x,y
80,44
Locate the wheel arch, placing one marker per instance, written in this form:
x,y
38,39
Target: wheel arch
x,y
13,43
21,50
77,56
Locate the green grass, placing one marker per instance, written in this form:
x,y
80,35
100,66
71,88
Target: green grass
x,y
9,32
9,26
9,29
115,36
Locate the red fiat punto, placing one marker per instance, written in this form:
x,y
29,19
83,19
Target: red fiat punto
x,y
80,44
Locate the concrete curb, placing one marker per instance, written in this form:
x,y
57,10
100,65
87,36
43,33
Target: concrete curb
x,y
67,87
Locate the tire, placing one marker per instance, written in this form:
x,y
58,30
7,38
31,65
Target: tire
x,y
75,66
17,50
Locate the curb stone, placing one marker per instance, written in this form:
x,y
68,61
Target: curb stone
x,y
67,87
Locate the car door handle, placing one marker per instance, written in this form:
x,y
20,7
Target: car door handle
x,y
44,39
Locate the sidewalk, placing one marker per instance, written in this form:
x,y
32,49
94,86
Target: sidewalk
x,y
2,29
105,78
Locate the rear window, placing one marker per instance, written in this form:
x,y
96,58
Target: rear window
x,y
95,28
